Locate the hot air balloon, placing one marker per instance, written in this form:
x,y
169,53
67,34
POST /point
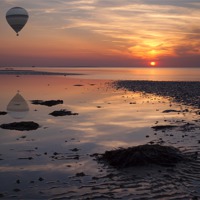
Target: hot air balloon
x,y
17,18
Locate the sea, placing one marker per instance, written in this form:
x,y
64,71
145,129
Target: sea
x,y
56,161
127,73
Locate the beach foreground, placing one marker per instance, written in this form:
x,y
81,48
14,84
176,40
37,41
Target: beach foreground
x,y
56,161
187,93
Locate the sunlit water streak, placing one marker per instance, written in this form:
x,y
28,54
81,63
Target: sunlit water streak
x,y
124,73
61,166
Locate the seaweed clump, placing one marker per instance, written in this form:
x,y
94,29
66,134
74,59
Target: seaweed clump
x,y
47,103
143,155
21,126
3,113
57,113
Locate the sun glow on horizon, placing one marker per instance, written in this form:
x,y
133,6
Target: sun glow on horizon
x,y
153,63
130,33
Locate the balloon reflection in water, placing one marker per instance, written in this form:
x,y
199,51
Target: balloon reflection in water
x,y
18,107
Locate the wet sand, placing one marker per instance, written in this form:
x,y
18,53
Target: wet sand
x,y
55,161
187,93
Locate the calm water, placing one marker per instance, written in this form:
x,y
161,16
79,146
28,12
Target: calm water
x,y
108,118
123,73
156,74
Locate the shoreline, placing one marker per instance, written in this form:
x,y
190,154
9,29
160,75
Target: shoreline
x,y
33,72
184,92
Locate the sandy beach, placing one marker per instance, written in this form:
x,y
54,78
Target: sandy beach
x,y
56,160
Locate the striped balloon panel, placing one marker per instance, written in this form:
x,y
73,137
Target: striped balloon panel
x,y
17,22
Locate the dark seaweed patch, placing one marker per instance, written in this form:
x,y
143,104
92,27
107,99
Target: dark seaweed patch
x,y
57,113
21,126
143,155
47,103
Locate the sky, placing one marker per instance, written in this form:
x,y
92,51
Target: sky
x,y
107,33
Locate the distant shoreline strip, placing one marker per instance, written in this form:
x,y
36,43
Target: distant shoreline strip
x,y
33,72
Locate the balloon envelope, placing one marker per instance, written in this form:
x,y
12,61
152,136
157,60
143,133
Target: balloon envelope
x,y
17,18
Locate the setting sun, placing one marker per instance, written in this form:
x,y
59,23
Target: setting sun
x,y
153,63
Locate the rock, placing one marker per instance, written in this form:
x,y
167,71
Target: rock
x,y
32,182
3,113
80,174
47,103
1,195
75,149
16,190
21,126
40,179
169,111
78,85
57,113
18,181
178,111
143,155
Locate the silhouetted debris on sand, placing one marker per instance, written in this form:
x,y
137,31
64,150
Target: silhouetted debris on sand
x,y
143,155
182,92
3,113
47,103
57,113
21,126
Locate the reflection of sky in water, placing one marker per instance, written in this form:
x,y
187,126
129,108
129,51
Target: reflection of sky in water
x,y
123,73
107,119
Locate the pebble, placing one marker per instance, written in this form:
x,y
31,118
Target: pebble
x,y
41,179
80,174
